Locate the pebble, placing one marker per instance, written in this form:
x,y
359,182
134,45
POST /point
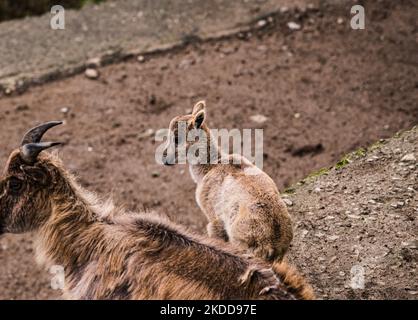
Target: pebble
x,y
155,174
333,238
284,9
288,202
340,20
304,232
410,157
147,133
141,59
93,63
293,25
371,159
92,73
258,118
297,115
64,110
262,23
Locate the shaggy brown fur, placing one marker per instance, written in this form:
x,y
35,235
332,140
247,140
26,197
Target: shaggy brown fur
x,y
111,254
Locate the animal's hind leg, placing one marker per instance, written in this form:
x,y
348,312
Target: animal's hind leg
x,y
216,229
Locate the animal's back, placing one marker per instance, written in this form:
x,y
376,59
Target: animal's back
x,y
164,262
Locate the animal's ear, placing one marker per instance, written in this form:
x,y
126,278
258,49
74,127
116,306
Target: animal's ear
x,y
199,119
201,105
37,174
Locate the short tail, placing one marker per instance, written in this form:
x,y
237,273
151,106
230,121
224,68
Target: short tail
x,y
293,280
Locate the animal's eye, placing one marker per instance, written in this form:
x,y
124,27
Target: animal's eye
x,y
15,184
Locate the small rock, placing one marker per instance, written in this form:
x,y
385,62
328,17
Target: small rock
x,y
297,115
147,133
9,91
262,23
258,118
284,9
89,149
293,25
317,190
304,233
92,73
64,110
340,20
93,63
288,202
373,158
333,238
155,174
141,58
410,157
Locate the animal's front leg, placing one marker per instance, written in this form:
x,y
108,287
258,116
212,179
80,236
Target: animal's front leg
x,y
216,229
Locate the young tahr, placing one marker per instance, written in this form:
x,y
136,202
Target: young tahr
x,y
241,202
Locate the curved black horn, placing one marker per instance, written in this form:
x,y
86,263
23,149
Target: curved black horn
x,y
29,152
35,135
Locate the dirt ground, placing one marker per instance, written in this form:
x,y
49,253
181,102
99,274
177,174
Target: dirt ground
x,y
361,219
325,90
